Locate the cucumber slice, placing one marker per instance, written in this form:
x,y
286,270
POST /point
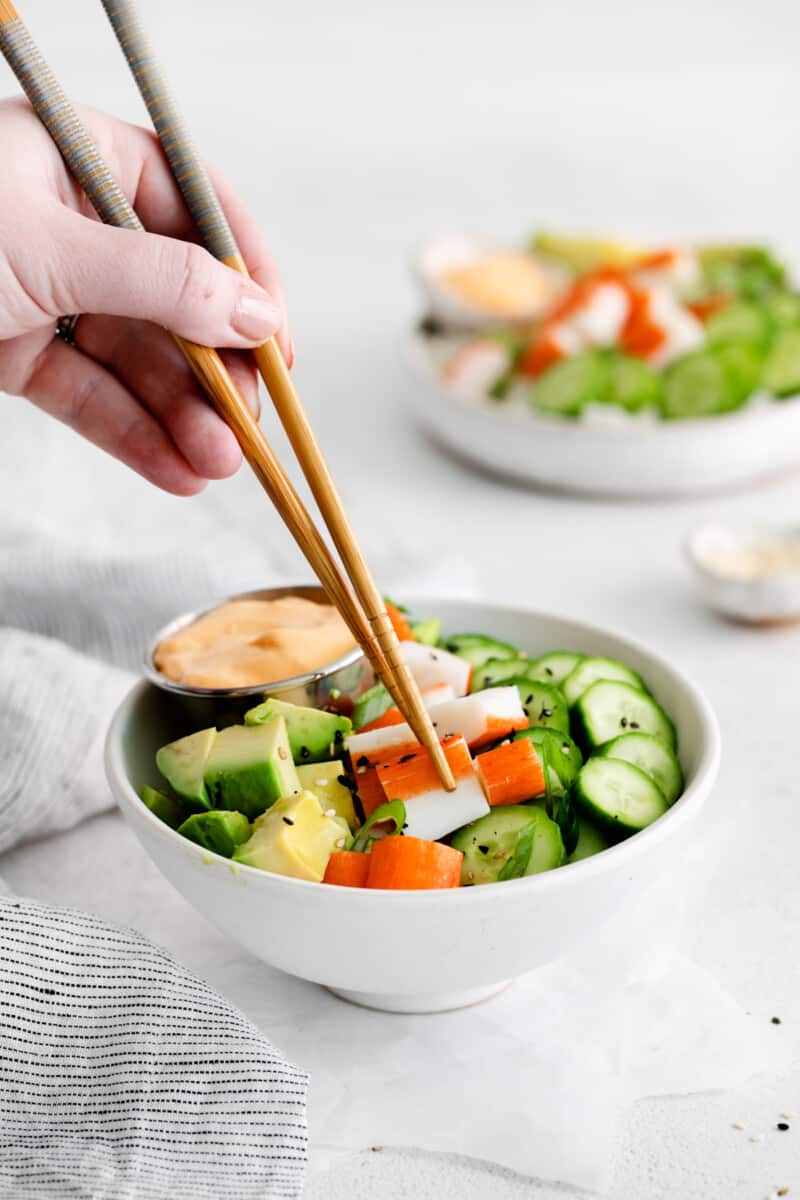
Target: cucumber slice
x,y
782,308
741,321
507,843
553,667
617,796
633,385
650,755
497,671
570,385
590,670
608,709
700,384
564,759
744,362
781,374
427,632
370,705
590,841
477,648
543,703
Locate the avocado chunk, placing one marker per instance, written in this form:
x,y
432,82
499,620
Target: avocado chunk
x,y
165,807
295,838
183,765
325,781
250,767
313,735
219,831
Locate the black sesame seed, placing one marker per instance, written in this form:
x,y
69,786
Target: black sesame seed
x,y
363,761
338,737
288,821
776,1020
483,849
305,752
529,699
624,722
407,757
634,724
546,712
783,1126
548,671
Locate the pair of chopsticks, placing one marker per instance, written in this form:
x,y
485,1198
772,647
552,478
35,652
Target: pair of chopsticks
x,y
358,600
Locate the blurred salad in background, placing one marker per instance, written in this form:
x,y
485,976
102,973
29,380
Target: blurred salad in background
x,y
572,327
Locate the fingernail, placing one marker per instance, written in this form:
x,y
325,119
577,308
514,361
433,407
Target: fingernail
x,y
290,363
256,317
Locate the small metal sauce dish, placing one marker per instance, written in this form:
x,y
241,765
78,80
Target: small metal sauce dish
x,y
332,686
746,572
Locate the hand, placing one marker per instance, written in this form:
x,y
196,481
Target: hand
x,y
125,385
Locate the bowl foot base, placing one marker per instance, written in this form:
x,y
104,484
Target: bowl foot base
x,y
420,1002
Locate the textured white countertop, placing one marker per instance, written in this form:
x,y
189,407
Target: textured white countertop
x,y
353,133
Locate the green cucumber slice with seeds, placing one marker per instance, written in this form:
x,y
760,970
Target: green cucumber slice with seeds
x,y
507,843
554,667
618,797
477,648
589,670
427,632
608,709
543,704
634,385
564,759
650,755
498,671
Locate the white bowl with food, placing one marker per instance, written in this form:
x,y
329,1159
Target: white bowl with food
x,y
427,945
642,377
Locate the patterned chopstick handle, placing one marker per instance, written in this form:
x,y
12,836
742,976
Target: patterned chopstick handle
x,y
187,166
64,126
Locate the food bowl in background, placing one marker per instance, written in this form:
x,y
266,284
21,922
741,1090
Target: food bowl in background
x,y
424,951
607,453
335,684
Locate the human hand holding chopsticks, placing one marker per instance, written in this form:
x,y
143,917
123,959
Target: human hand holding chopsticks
x,y
126,387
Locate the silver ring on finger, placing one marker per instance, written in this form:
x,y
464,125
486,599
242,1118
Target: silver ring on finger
x,y
66,327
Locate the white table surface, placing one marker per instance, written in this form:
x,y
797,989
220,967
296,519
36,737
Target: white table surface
x,y
354,130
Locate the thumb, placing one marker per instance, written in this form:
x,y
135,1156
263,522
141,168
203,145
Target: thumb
x,y
130,273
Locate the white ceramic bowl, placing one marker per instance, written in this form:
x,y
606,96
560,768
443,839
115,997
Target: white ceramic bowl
x,y
618,457
712,551
424,951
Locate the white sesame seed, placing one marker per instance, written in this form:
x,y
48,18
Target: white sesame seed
x,y
738,1125
757,1137
330,812
339,843
772,1196
360,770
320,783
790,1112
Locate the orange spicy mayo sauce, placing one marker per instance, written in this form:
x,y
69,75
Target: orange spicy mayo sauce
x,y
250,642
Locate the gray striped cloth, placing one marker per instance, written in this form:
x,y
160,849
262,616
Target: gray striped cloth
x,y
122,1076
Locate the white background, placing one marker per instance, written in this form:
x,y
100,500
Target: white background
x,y
354,130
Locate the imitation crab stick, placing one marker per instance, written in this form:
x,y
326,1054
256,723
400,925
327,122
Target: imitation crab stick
x,y
413,864
483,717
370,792
431,812
431,666
399,623
348,868
511,774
